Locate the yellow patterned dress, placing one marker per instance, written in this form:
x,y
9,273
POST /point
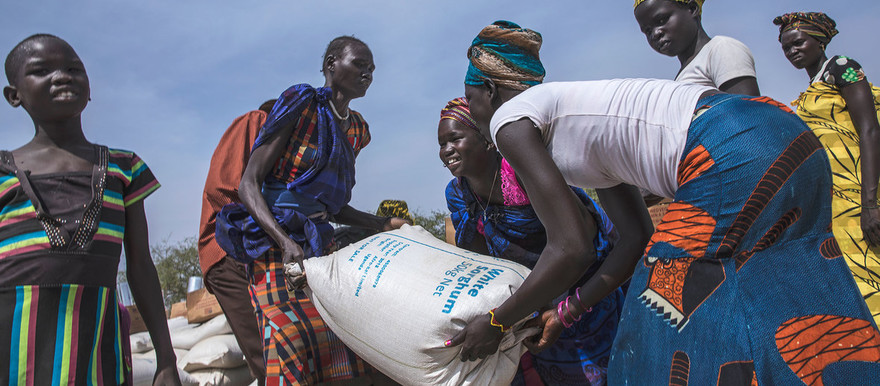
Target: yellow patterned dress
x,y
822,107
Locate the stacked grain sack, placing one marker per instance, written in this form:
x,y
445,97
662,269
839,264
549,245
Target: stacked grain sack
x,y
207,354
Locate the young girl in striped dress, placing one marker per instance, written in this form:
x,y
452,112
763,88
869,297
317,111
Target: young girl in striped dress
x,y
67,209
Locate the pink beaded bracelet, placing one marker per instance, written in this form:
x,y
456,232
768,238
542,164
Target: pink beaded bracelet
x,y
562,316
561,313
577,293
568,309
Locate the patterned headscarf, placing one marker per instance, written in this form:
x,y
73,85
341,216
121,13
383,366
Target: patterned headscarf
x,y
395,208
459,110
816,24
699,2
507,54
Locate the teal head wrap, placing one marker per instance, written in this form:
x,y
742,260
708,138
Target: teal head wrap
x,y
507,54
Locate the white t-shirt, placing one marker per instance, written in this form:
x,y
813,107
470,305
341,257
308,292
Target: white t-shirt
x,y
603,133
720,60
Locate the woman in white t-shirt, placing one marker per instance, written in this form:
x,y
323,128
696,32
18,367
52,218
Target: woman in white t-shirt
x,y
674,28
742,281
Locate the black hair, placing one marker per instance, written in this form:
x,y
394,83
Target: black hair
x,y
267,105
338,45
18,54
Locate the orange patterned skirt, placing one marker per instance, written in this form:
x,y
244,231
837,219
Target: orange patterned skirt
x,y
298,347
743,282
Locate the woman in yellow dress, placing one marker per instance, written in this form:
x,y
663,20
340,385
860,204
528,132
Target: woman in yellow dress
x,y
841,108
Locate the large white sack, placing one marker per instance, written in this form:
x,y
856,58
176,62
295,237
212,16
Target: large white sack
x,y
187,336
179,353
396,297
140,342
220,351
144,368
178,322
239,376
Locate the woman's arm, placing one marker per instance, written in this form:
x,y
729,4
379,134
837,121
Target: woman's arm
x,y
569,250
570,229
860,103
626,209
250,192
351,216
477,245
147,292
744,85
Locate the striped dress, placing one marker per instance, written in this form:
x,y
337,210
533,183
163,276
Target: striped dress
x,y
58,272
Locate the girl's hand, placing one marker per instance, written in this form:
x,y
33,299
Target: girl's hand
x,y
166,375
871,225
291,252
551,328
395,223
478,340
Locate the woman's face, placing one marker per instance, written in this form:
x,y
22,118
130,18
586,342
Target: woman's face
x,y
480,102
463,151
671,28
352,72
801,49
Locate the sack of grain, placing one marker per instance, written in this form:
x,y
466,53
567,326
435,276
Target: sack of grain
x,y
219,351
187,336
143,369
396,297
179,353
140,342
223,377
178,322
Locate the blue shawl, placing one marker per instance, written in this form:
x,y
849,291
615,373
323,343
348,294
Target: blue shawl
x,y
328,181
331,177
515,232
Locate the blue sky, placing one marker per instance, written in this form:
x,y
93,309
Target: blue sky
x,y
168,77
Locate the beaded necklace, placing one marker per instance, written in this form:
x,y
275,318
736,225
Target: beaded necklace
x,y
336,113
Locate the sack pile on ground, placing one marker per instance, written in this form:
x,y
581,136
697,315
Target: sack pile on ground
x,y
207,354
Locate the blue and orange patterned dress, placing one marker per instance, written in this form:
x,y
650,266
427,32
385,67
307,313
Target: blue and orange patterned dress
x,y
743,282
60,241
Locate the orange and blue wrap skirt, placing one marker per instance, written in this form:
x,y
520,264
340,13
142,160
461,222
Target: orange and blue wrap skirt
x,y
743,282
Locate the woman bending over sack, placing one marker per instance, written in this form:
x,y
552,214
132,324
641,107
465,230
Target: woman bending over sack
x,y
492,215
742,282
